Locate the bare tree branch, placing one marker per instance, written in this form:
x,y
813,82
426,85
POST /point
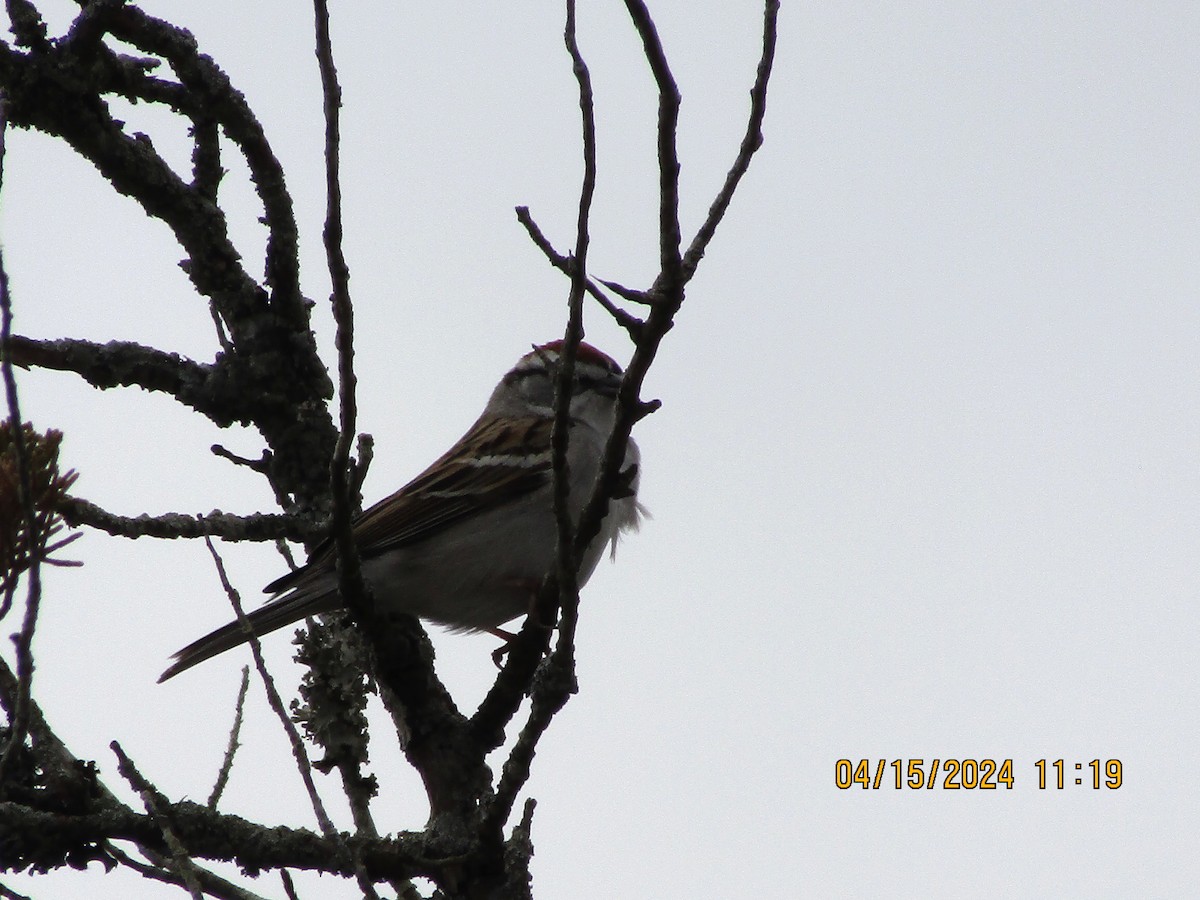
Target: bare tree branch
x,y
38,837
288,887
303,764
115,364
270,358
257,527
20,711
628,293
631,324
159,871
566,554
556,676
669,284
341,475
225,105
232,747
664,299
156,805
668,155
750,144
215,390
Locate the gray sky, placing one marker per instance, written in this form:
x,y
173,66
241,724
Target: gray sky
x,y
924,482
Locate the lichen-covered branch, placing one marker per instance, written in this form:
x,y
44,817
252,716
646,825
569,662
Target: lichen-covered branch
x,y
213,389
258,527
269,374
39,840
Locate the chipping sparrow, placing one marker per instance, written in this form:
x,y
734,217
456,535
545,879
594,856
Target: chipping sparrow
x,y
467,542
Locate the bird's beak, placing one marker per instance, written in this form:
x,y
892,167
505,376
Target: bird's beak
x,y
610,385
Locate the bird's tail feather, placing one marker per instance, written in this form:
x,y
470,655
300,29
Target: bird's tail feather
x,y
275,615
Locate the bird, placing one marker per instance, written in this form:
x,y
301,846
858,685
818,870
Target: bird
x,y
467,543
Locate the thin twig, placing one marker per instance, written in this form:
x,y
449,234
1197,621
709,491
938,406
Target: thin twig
x,y
262,465
565,553
341,476
752,140
157,806
503,699
556,683
229,526
668,155
669,285
343,314
282,548
632,324
231,749
343,308
303,764
159,870
19,722
628,293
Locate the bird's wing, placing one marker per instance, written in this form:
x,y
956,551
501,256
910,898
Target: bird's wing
x,y
497,460
493,463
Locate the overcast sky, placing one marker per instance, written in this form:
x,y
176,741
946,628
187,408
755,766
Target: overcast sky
x,y
924,481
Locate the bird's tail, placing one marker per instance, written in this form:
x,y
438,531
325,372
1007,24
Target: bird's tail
x,y
274,615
